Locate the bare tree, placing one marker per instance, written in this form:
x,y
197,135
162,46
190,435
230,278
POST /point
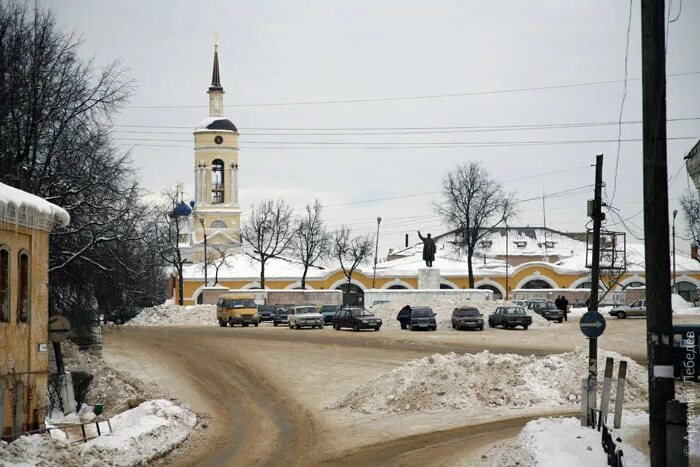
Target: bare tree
x,y
267,233
473,204
351,251
691,210
220,257
169,228
311,240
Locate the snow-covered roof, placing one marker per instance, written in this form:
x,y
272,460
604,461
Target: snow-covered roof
x,y
242,266
20,207
216,124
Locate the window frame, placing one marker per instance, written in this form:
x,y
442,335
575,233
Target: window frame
x,y
7,316
24,315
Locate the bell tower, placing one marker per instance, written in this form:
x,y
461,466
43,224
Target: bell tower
x,y
216,208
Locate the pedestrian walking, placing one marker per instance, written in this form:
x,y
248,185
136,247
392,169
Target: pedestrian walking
x,y
557,302
565,307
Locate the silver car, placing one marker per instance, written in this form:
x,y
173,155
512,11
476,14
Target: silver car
x,y
636,308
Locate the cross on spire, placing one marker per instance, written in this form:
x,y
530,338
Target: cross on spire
x,y
215,78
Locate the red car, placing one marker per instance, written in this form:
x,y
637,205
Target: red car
x,y
356,318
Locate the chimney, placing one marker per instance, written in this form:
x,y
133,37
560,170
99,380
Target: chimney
x,y
694,251
406,240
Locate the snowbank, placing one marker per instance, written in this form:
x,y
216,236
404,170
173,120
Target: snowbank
x,y
139,435
175,315
443,309
110,387
478,381
554,442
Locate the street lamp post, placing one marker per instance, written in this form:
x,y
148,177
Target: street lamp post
x,y
675,213
376,251
505,219
206,262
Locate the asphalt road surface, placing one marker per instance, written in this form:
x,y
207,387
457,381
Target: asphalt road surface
x,y
263,390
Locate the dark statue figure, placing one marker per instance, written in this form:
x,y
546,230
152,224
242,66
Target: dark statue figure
x,y
428,249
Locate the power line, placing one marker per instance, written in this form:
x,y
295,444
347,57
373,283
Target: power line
x,y
504,127
622,103
420,97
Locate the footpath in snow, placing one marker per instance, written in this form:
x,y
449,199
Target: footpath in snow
x,y
139,436
443,309
175,315
474,382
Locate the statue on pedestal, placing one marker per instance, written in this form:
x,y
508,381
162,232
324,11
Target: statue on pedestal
x,y
428,249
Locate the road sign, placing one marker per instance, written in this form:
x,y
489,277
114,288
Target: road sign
x,y
59,328
592,324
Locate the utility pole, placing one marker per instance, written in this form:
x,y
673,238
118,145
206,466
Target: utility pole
x,y
544,224
657,267
674,288
505,219
595,279
376,252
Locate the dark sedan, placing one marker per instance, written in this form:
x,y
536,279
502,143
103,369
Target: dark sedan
x,y
328,311
467,318
422,317
266,312
281,315
356,318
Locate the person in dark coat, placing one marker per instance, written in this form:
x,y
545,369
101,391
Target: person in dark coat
x,y
565,307
557,302
428,249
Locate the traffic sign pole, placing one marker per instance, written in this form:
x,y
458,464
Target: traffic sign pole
x,y
595,279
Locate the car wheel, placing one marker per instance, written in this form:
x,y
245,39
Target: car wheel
x,y
256,324
377,328
434,328
560,320
222,323
336,327
320,326
274,323
481,328
296,326
525,326
403,326
245,325
490,323
453,325
355,327
621,315
230,323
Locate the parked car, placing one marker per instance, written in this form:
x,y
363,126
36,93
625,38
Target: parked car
x,y
548,310
266,312
522,303
422,317
305,315
404,316
281,315
235,309
529,301
356,318
467,318
122,314
636,308
510,317
328,311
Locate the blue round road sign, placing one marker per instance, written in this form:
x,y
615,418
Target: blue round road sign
x,y
592,324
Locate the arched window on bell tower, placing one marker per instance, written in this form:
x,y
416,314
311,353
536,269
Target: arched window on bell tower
x,y
217,181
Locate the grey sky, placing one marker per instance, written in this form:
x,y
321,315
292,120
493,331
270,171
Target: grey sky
x,y
272,52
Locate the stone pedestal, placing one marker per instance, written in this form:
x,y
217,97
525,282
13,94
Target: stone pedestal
x,y
428,278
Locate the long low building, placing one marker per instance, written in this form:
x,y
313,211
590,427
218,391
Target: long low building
x,y
537,258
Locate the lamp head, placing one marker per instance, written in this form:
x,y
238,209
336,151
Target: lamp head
x,y
675,212
201,221
379,219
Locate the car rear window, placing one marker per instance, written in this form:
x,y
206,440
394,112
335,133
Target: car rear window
x,y
360,312
468,312
266,308
422,312
515,311
305,310
330,308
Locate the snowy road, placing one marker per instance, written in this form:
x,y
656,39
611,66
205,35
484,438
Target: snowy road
x,y
265,390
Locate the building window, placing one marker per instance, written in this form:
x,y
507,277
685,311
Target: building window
x,y
536,284
23,288
634,284
497,295
687,290
217,181
521,243
218,225
4,285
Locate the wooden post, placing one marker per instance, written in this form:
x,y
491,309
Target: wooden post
x,y
605,397
656,231
620,393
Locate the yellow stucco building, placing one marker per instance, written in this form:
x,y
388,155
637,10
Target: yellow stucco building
x,y
25,223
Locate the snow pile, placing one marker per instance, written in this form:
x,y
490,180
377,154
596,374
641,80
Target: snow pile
x,y
142,434
110,387
682,307
478,381
175,315
553,442
139,435
443,309
10,196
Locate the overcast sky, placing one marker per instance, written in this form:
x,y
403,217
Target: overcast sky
x,y
275,52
